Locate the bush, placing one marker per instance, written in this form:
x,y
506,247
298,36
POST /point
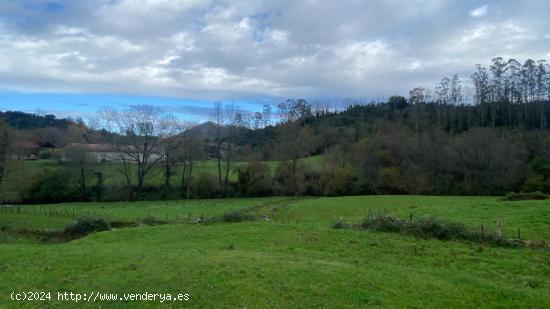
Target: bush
x,y
206,185
438,229
339,225
427,228
254,180
152,221
53,186
85,226
382,224
233,216
512,196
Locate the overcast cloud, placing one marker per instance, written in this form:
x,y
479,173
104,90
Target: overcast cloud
x,y
217,50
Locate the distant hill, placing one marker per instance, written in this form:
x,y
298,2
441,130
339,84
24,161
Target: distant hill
x,y
208,130
25,121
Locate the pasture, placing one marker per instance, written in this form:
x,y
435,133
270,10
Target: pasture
x,y
297,260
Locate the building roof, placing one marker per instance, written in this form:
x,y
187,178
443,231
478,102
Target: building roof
x,y
93,147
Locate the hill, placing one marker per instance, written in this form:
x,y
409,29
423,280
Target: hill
x,y
26,121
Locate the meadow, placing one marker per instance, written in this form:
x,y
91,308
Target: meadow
x,y
296,260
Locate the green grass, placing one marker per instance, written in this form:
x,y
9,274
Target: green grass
x,y
531,217
113,175
57,216
303,263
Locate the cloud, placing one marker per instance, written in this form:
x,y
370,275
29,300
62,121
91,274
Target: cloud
x,y
480,11
253,49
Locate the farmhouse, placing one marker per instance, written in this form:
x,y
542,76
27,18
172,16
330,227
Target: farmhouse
x,y
97,152
32,150
100,152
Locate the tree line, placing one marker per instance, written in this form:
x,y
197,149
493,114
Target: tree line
x,y
451,140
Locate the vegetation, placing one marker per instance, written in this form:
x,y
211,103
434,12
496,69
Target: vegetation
x,y
291,264
25,121
85,226
450,141
429,228
513,196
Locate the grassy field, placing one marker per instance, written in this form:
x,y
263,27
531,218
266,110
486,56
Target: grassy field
x,y
113,176
302,262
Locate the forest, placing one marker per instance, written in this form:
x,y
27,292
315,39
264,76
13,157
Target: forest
x,y
483,136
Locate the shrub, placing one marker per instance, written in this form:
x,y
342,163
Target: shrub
x,y
254,179
513,196
340,225
206,185
53,186
121,224
438,229
427,228
85,226
382,224
152,221
233,216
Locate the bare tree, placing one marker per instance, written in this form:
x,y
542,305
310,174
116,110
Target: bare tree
x,y
170,129
481,84
258,120
141,127
513,68
79,158
190,152
218,121
498,69
417,96
266,115
5,146
233,119
295,143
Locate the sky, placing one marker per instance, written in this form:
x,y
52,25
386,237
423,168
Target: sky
x,y
72,57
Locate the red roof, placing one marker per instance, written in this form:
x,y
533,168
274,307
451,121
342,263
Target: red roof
x,y
94,147
27,144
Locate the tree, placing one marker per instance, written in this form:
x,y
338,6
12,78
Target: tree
x,y
79,159
397,103
291,110
5,147
266,115
489,163
417,96
481,84
442,91
170,129
254,179
540,89
258,120
498,69
218,122
233,120
141,127
190,152
513,68
529,79
294,142
456,90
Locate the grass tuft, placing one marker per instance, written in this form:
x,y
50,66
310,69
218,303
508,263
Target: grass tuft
x,y
513,196
426,228
233,216
83,227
